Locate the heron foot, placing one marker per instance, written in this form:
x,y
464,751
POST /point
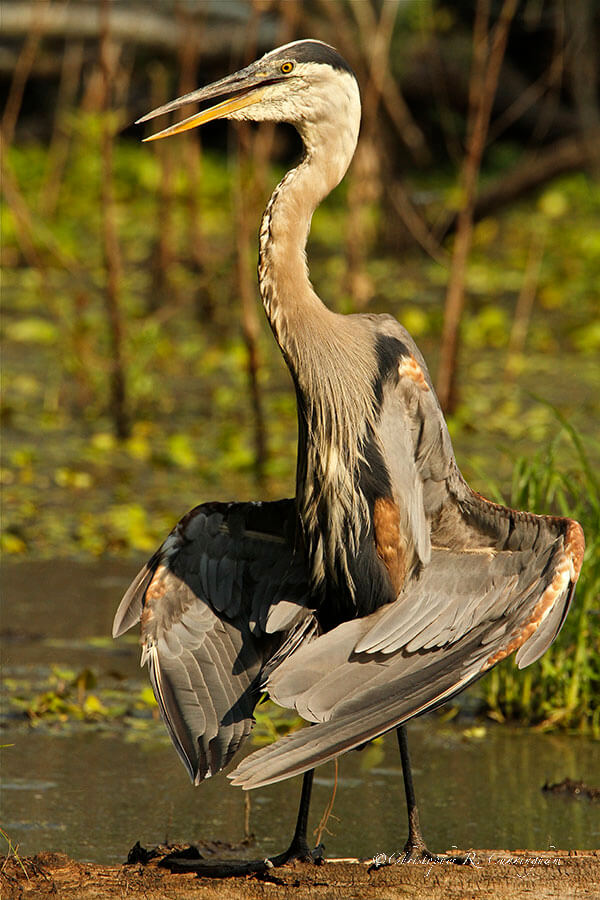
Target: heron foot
x,y
299,851
415,849
419,854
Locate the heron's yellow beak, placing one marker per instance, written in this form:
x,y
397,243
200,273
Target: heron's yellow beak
x,y
219,111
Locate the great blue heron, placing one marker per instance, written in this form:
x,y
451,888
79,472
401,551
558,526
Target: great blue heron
x,y
387,585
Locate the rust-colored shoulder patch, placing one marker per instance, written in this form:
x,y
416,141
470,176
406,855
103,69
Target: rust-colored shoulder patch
x,y
390,546
408,367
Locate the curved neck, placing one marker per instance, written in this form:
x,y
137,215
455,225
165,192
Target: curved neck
x,y
293,309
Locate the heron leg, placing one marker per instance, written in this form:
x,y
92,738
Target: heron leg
x,y
415,847
299,848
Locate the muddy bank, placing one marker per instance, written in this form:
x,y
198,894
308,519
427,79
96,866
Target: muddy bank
x,y
497,874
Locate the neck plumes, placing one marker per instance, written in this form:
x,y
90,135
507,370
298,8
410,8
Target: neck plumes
x,y
331,368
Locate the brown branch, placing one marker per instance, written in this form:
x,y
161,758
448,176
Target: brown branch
x,y
163,250
365,182
250,325
532,172
24,65
416,224
110,241
23,225
244,241
488,52
31,232
528,98
584,72
191,146
58,150
356,45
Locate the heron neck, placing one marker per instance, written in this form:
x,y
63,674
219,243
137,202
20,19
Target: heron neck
x,y
293,309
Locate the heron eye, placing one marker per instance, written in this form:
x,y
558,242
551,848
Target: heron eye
x,y
287,67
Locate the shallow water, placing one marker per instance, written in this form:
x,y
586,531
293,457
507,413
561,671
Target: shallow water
x,y
93,791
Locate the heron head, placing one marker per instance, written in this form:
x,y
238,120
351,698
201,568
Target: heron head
x,y
303,83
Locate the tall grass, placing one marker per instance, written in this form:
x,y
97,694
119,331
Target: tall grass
x,y
563,688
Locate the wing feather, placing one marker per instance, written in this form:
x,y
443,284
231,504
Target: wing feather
x,y
372,674
129,611
222,565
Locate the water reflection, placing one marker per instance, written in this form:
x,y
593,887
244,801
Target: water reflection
x,y
101,793
93,793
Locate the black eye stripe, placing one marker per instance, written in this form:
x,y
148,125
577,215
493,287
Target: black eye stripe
x,y
313,51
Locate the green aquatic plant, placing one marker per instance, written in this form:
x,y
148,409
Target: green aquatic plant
x,y
563,688
12,851
272,722
62,696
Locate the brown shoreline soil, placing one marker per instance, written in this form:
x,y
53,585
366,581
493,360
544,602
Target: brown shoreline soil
x,y
494,875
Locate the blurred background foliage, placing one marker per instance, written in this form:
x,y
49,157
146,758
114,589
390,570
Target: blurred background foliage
x,y
139,377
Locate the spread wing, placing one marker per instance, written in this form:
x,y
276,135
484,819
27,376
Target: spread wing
x,y
223,599
505,586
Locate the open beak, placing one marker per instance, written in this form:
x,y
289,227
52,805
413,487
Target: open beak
x,y
241,90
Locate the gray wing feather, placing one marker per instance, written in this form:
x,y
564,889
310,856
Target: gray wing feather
x,y
222,566
371,674
203,672
129,611
395,701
